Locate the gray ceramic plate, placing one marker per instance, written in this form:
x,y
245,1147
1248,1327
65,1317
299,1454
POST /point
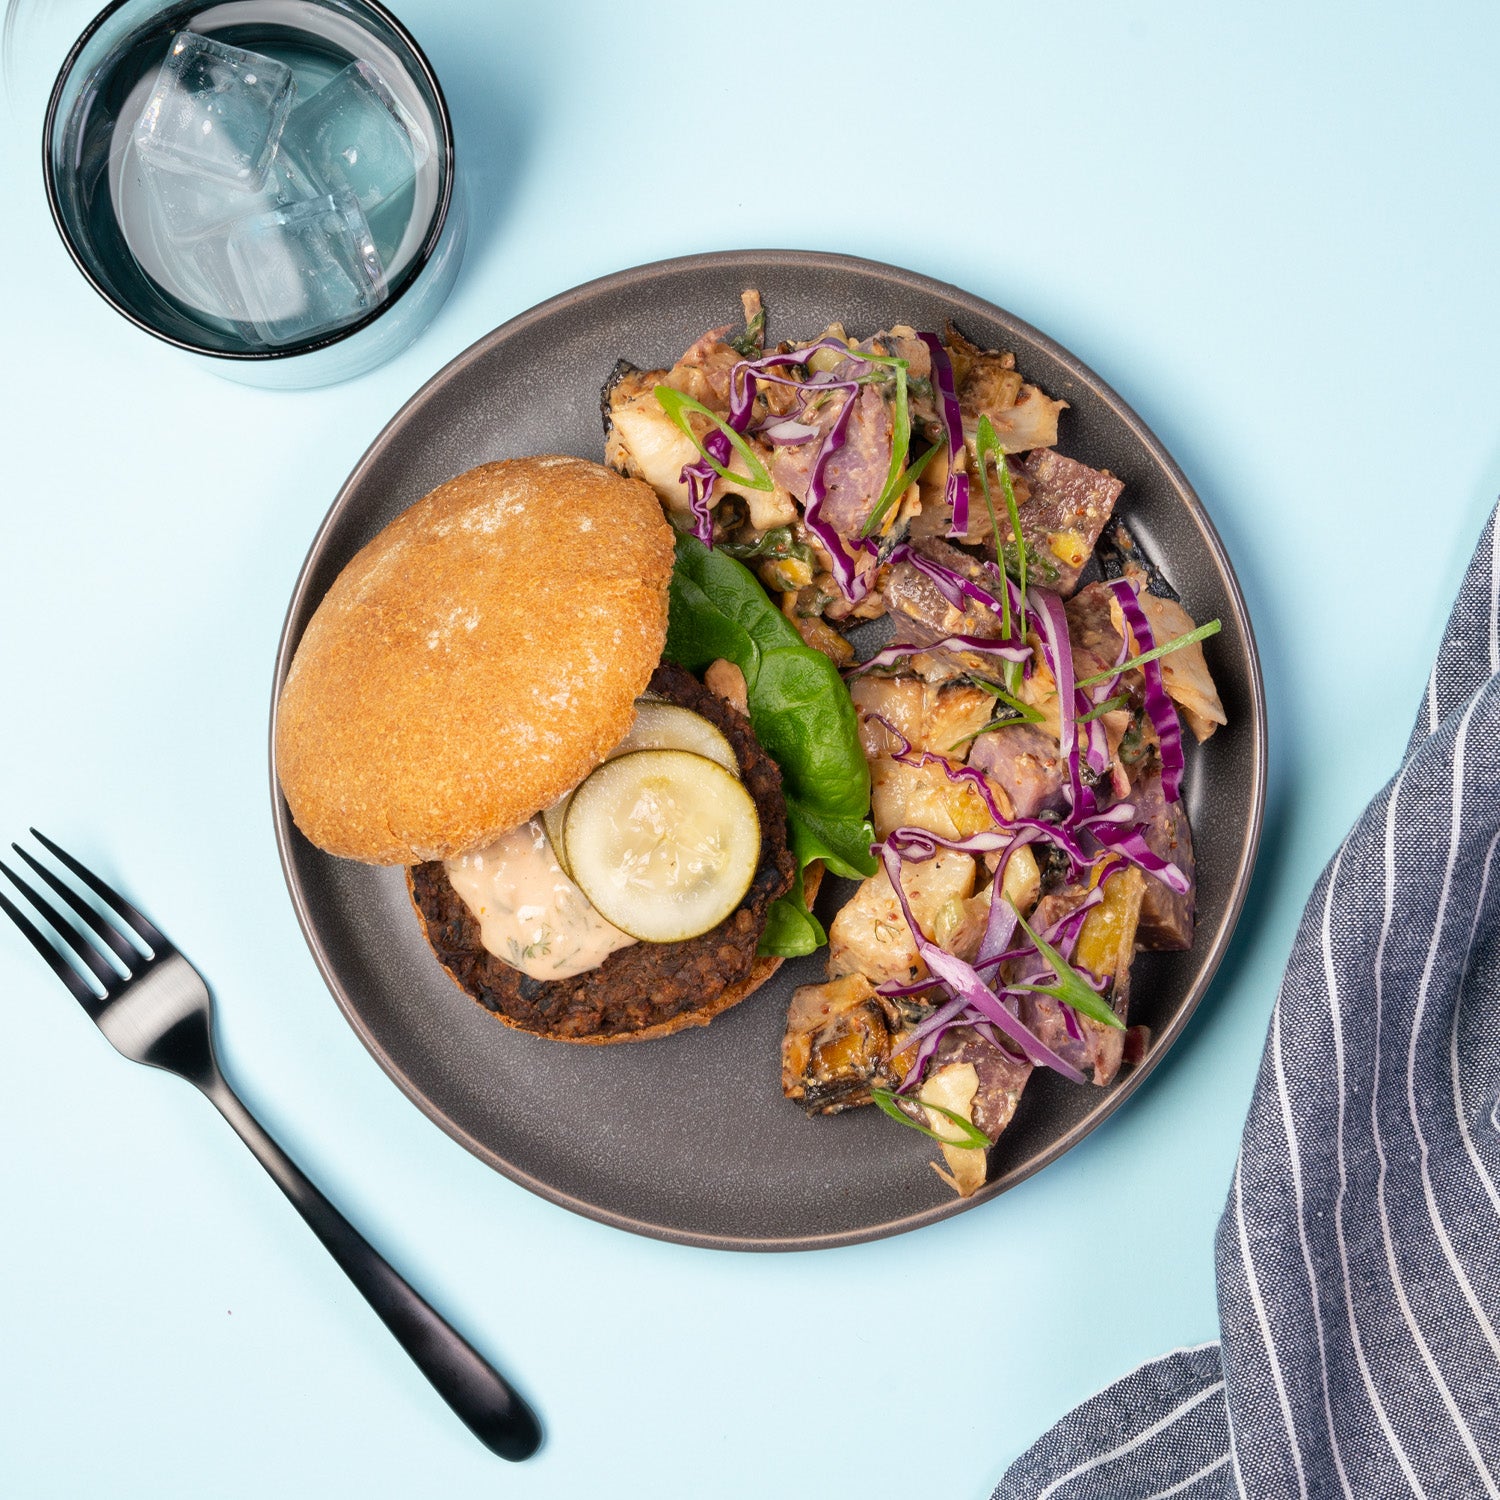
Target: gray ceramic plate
x,y
689,1138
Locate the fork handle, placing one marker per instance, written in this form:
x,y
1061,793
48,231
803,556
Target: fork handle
x,y
484,1400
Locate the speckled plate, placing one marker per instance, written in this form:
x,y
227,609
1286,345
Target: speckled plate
x,y
689,1138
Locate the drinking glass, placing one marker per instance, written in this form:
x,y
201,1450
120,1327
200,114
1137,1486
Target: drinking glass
x,y
99,185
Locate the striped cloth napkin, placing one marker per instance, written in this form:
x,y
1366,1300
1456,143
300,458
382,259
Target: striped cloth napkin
x,y
1358,1257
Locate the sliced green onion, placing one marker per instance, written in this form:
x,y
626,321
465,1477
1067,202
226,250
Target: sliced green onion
x,y
987,443
912,473
1070,987
1026,711
994,724
878,359
1021,713
1098,711
900,441
974,1138
1015,528
1202,633
677,405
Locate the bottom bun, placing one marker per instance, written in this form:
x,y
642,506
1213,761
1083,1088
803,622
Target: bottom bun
x,y
646,989
762,969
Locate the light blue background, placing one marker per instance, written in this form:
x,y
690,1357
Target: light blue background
x,y
1273,229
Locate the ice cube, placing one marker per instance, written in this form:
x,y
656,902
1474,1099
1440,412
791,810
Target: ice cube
x,y
306,268
354,131
216,112
190,206
191,218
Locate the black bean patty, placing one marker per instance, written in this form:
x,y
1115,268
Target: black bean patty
x,y
646,984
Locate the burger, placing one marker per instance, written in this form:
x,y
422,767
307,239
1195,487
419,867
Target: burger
x,y
593,837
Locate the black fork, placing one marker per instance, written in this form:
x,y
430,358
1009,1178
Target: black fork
x,y
155,1008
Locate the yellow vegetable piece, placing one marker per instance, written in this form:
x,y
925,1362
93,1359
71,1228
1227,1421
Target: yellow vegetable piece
x,y
1068,547
1106,942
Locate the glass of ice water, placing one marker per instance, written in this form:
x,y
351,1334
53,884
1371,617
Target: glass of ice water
x,y
266,184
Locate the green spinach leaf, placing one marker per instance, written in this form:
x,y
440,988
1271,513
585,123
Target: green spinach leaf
x,y
801,713
791,929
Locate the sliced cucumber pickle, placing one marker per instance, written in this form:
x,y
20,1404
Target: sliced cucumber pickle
x,y
668,726
658,726
552,820
664,843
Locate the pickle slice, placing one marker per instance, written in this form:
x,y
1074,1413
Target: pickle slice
x,y
552,820
658,726
664,843
669,726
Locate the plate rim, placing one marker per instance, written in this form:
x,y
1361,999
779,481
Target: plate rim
x,y
1241,881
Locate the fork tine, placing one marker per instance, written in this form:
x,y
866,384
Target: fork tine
x,y
60,966
145,930
98,965
121,947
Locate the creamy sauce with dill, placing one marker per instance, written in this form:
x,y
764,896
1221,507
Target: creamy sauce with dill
x,y
530,915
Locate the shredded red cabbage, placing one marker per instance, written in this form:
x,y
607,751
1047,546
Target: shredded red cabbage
x,y
1159,706
926,1036
957,494
1114,830
953,586
973,1002
916,987
1006,581
1096,747
1000,926
919,844
961,977
747,372
700,478
1128,842
1062,934
852,584
944,1012
970,776
981,643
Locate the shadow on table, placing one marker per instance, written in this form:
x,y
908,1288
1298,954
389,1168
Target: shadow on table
x,y
492,82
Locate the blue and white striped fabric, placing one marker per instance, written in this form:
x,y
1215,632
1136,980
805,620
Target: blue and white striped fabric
x,y
1359,1253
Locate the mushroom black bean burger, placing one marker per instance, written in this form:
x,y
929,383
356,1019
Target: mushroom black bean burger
x,y
596,840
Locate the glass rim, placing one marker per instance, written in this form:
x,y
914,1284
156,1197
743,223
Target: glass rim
x,y
425,251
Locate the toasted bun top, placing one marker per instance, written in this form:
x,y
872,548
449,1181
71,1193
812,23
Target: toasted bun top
x,y
475,660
